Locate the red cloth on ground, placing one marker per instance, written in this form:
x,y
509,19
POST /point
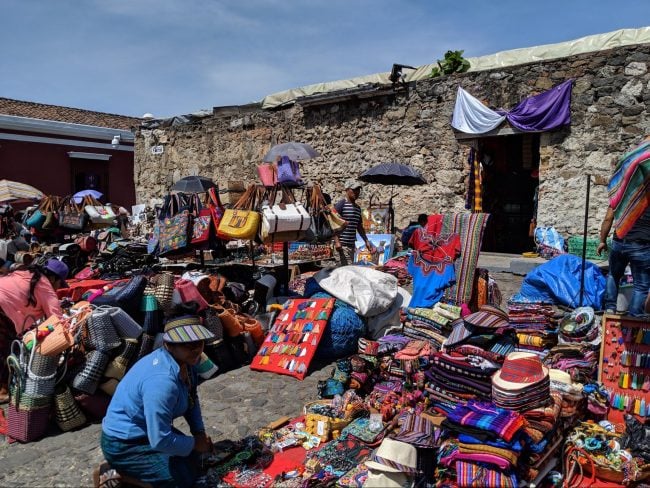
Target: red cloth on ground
x,y
78,288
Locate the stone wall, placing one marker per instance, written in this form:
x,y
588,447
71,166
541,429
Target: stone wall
x,y
609,111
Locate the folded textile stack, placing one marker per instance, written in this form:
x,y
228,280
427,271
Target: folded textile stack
x,y
454,378
433,324
483,447
535,326
487,329
579,360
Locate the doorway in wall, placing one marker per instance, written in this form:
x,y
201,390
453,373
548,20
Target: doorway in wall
x,y
90,174
510,178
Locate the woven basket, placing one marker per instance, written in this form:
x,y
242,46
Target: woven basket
x,y
41,365
23,401
213,323
88,379
326,428
27,425
125,326
101,334
67,413
164,292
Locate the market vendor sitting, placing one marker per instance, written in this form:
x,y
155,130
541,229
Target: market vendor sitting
x,y
138,437
412,227
27,295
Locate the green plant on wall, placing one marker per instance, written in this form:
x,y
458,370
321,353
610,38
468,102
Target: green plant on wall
x,y
454,62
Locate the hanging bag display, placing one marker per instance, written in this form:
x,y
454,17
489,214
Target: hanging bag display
x,y
72,215
216,207
320,229
288,216
201,222
98,213
174,233
241,221
49,208
288,171
268,173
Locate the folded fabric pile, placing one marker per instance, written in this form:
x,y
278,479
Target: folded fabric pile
x,y
579,360
433,324
487,329
483,445
535,326
454,378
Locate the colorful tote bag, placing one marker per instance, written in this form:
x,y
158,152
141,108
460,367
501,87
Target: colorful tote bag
x,y
288,171
174,233
201,226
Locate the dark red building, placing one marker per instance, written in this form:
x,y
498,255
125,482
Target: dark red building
x,y
62,150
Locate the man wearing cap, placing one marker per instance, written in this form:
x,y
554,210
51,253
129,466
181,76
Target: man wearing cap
x,y
27,295
138,436
351,213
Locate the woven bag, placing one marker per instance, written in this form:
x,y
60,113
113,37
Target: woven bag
x,y
88,379
165,291
27,425
40,377
213,324
206,368
101,333
117,368
67,413
125,326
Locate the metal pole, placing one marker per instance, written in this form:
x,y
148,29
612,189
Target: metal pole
x,y
584,243
285,267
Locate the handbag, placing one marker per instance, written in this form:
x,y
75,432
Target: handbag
x,y
268,174
286,216
125,326
337,223
188,292
88,379
87,244
63,335
49,207
288,171
67,413
100,332
71,215
241,221
320,229
36,219
98,213
216,207
174,233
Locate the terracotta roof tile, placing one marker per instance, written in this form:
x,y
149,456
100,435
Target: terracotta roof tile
x,y
43,111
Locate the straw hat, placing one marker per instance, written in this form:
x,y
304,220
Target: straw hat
x,y
520,370
186,328
394,457
378,479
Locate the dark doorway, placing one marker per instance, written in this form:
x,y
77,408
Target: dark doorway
x,y
510,178
90,174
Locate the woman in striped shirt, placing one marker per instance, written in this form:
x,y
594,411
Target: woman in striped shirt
x,y
351,213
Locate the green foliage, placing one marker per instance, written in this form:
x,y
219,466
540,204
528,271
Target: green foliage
x,y
454,62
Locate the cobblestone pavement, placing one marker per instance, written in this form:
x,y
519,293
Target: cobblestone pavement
x,y
235,404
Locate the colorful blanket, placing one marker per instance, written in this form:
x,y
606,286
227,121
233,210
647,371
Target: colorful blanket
x,y
629,187
470,227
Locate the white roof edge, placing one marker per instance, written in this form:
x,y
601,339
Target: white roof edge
x,y
512,57
12,122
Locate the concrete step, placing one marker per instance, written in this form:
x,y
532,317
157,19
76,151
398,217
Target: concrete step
x,y
516,263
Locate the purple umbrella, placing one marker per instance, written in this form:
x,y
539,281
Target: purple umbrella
x,y
79,196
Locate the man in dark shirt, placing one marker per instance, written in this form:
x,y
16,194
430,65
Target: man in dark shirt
x,y
351,213
633,249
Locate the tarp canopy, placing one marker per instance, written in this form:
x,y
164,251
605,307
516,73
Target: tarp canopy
x,y
598,42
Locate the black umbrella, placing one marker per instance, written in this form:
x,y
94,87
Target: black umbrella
x,y
193,184
393,174
295,151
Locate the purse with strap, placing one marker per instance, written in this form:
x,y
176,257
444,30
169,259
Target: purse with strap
x,y
288,171
241,221
320,229
286,216
71,215
268,173
201,221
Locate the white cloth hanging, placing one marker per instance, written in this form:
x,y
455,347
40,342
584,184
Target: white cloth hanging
x,y
472,117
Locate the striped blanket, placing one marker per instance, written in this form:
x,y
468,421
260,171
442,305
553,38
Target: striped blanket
x,y
628,189
469,226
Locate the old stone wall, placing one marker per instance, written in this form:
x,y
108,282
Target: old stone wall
x,y
609,111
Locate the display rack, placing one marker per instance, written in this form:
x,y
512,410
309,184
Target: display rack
x,y
624,366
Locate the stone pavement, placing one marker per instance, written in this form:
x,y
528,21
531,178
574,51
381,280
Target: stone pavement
x,y
235,404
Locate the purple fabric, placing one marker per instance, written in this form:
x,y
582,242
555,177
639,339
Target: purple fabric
x,y
542,112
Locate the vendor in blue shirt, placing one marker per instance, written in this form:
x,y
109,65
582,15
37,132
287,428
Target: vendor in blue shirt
x,y
138,437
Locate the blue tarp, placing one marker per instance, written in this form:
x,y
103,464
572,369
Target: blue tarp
x,y
558,281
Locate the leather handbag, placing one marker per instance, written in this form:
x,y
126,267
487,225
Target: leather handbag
x,y
49,207
268,174
320,229
71,215
36,219
201,225
241,221
286,216
98,213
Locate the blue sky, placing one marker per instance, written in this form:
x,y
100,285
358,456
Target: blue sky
x,y
170,57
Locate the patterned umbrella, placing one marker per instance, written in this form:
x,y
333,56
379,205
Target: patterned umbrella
x,y
295,151
12,190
